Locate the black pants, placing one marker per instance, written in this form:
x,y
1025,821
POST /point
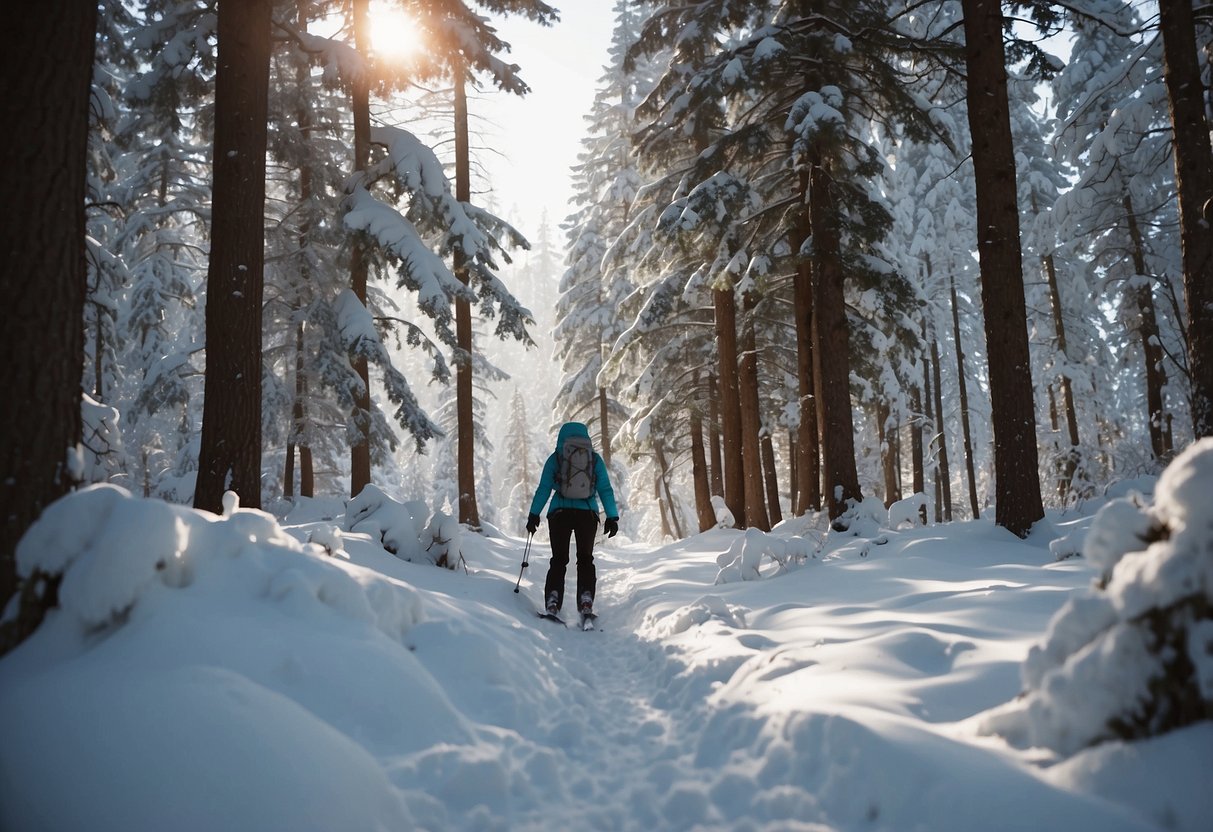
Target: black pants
x,y
562,525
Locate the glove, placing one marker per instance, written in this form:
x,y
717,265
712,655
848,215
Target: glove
x,y
532,523
611,526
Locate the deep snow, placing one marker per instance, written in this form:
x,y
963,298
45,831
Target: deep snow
x,y
223,673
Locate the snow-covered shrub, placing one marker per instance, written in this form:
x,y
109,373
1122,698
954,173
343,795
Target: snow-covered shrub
x,y
862,519
112,550
101,456
397,526
742,560
724,517
910,511
441,540
1133,657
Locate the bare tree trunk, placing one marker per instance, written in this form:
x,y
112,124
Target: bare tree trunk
x,y
47,63
793,473
664,479
604,420
751,424
1069,462
917,464
771,474
665,520
1194,181
932,428
717,469
469,513
730,403
831,348
966,429
888,459
1017,478
360,451
1147,330
945,471
807,458
703,493
229,456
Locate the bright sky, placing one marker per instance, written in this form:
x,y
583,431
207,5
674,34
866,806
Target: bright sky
x,y
538,137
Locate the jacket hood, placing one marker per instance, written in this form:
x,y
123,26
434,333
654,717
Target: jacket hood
x,y
570,429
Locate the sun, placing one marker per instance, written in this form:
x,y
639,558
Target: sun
x,y
394,35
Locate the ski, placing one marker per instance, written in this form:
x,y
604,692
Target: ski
x,y
589,621
550,617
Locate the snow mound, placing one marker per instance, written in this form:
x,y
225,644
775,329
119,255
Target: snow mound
x,y
1133,657
748,552
398,527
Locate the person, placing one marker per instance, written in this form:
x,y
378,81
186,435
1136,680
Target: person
x,y
571,517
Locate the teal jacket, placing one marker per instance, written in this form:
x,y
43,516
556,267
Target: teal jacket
x,y
547,481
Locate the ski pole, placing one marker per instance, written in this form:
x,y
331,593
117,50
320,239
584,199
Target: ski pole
x,y
525,552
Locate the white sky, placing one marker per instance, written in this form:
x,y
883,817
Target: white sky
x,y
538,137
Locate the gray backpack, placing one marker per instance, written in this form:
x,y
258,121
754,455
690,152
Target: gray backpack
x,y
575,470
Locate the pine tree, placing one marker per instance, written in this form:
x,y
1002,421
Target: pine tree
x,y
50,48
1018,503
230,455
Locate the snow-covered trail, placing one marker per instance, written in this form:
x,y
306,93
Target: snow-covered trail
x,y
677,714
227,675
617,745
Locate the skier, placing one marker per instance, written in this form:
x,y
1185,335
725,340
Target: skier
x,y
578,476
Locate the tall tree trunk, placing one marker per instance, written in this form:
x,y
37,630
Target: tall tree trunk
x,y
730,403
1147,330
1069,463
1194,180
699,471
917,464
831,348
229,456
962,383
793,473
1017,478
808,457
771,477
716,466
751,423
48,63
665,519
604,420
931,426
888,461
665,482
945,470
360,451
469,514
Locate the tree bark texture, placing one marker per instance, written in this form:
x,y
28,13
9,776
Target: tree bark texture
x,y
229,457
604,420
469,513
945,470
47,64
1016,463
751,423
770,478
699,471
714,459
831,350
963,385
1194,180
1147,330
808,457
360,102
730,403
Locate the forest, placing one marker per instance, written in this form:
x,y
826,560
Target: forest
x,y
956,253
